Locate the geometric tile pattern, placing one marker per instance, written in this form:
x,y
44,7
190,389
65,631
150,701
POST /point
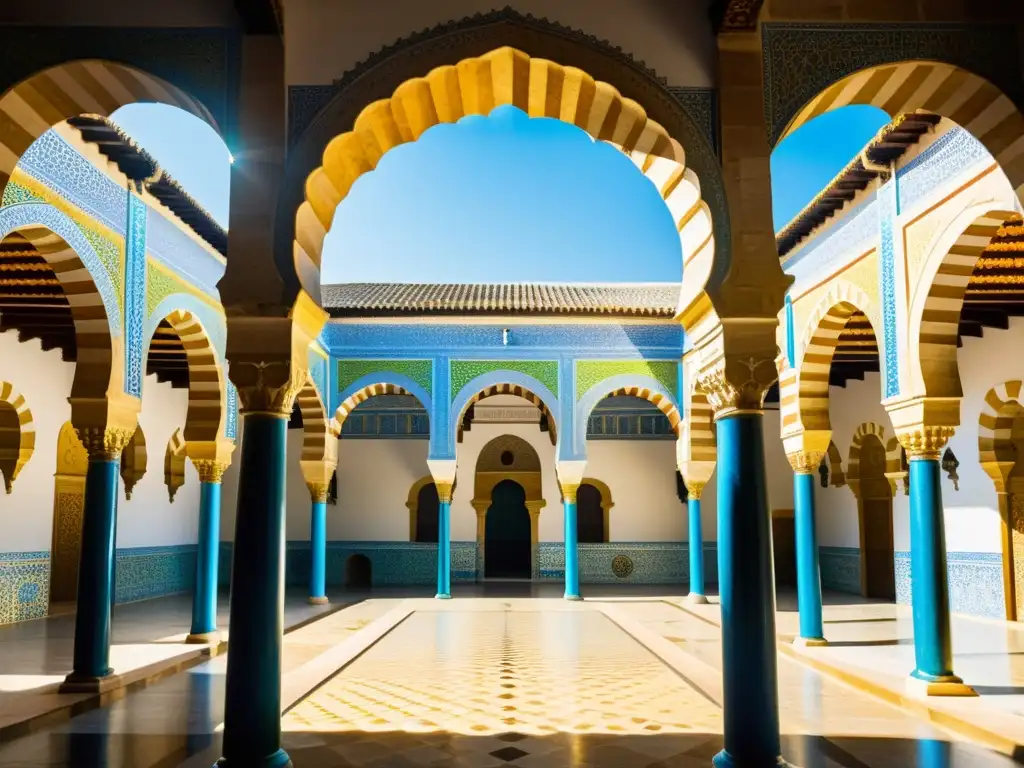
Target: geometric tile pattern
x,y
975,582
24,585
134,295
492,672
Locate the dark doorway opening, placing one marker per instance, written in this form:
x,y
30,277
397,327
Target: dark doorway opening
x,y
507,541
876,521
426,514
589,516
784,548
358,572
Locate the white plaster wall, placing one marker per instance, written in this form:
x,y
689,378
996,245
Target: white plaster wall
x,y
148,519
325,38
971,514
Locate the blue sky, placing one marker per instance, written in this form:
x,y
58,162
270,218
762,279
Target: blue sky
x,y
502,198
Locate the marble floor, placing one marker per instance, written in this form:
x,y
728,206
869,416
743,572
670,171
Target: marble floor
x,y
619,680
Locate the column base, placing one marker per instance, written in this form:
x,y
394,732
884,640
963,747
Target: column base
x,y
442,596
696,598
922,684
203,638
319,600
573,598
79,683
809,642
724,760
279,759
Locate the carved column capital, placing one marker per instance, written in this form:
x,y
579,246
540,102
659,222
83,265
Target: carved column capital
x,y
805,462
267,386
738,386
318,492
210,470
695,490
925,441
569,491
104,443
444,492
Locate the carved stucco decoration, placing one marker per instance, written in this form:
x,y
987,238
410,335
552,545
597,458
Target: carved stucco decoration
x,y
383,72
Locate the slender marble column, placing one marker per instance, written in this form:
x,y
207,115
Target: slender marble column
x,y
318,545
572,554
444,541
204,596
252,699
808,569
750,696
91,660
933,646
695,544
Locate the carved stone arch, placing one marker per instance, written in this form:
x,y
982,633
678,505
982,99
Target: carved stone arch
x,y
853,463
84,87
362,395
133,462
996,450
174,464
582,61
17,434
318,432
517,391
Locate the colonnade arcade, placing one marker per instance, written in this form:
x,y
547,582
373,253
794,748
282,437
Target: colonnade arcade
x,y
258,317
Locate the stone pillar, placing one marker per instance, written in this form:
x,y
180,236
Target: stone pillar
x,y
933,644
480,506
572,553
318,544
204,595
695,544
808,570
91,661
534,508
444,541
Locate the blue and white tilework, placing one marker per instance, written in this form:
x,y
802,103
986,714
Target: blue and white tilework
x,y
828,252
141,573
840,568
231,418
887,280
134,295
24,585
169,245
975,582
951,155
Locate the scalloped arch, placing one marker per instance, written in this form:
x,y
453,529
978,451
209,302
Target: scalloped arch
x,y
475,86
17,434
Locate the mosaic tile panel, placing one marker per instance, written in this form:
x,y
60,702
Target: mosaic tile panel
x,y
840,568
15,193
169,245
231,420
646,562
464,371
948,157
350,371
161,283
592,372
24,585
887,280
145,572
975,582
702,104
134,296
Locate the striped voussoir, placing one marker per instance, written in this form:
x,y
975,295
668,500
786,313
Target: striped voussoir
x,y
996,435
206,391
940,318
17,433
835,463
859,434
361,396
316,429
656,399
174,463
968,100
92,328
895,455
518,391
49,97
701,428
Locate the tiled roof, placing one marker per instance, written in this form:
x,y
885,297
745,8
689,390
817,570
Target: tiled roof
x,y
390,299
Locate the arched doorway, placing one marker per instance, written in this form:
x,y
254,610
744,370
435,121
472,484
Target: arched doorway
x,y
426,514
68,505
874,503
507,537
591,517
358,572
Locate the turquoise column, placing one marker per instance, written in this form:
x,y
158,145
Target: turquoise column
x,y
750,696
695,544
204,596
933,646
572,553
318,546
444,541
808,569
252,698
91,659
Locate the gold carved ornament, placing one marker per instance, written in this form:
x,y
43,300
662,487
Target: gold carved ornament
x,y
444,492
805,462
210,470
104,443
569,491
694,491
727,398
318,492
925,442
261,394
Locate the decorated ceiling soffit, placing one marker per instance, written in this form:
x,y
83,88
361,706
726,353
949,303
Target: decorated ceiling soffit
x,y
413,58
